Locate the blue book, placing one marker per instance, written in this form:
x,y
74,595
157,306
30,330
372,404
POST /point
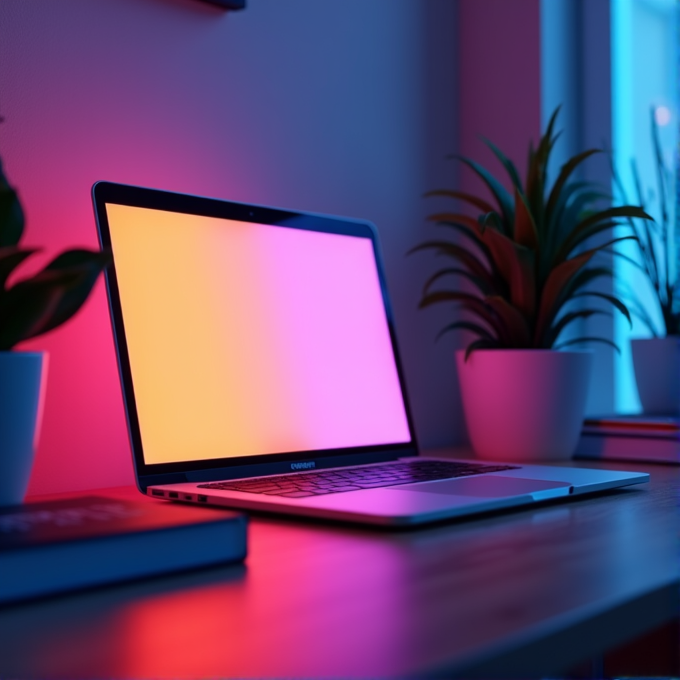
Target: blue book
x,y
56,546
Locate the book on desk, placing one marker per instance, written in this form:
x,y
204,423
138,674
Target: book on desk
x,y
652,439
56,546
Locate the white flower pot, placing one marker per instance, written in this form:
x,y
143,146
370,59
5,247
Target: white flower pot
x,y
657,373
22,378
524,405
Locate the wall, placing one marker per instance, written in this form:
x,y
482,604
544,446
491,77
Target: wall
x,y
499,58
343,107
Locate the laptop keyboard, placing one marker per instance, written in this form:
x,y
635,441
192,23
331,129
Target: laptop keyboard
x,y
302,485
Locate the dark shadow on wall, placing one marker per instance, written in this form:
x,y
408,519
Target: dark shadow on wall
x,y
434,392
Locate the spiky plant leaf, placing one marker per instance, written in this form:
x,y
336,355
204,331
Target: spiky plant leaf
x,y
482,286
497,189
524,232
515,264
611,299
10,258
584,229
586,339
466,326
506,163
566,319
533,254
11,214
515,331
456,252
482,343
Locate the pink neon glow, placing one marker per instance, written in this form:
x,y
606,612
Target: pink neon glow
x,y
247,339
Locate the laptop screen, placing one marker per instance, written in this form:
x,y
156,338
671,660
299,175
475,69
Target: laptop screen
x,y
248,339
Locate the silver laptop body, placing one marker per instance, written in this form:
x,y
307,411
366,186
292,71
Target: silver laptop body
x,y
260,370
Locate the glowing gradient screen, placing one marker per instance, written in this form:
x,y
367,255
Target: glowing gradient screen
x,y
248,339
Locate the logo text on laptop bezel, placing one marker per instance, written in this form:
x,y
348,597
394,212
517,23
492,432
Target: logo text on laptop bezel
x,y
308,465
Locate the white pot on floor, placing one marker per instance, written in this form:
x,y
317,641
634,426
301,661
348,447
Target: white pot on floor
x,y
22,377
524,405
657,373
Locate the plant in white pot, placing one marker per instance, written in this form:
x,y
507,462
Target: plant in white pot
x,y
656,359
523,272
30,306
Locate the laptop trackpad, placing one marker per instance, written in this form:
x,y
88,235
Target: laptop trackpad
x,y
491,487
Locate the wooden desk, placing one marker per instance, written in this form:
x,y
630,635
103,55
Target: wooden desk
x,y
531,592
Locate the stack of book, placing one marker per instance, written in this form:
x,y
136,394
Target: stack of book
x,y
637,437
57,546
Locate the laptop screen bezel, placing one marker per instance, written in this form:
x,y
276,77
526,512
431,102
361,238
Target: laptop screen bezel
x,y
104,193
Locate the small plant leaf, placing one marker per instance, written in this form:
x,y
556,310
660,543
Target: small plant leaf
x,y
481,284
86,266
578,341
614,301
482,343
11,214
516,331
516,266
525,229
466,326
565,172
497,189
470,303
506,163
625,211
27,307
10,258
551,300
460,254
564,321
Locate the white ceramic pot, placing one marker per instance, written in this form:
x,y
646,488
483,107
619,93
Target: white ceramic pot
x,y
22,378
524,404
657,373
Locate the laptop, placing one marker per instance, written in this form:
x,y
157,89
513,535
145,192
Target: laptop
x,y
260,370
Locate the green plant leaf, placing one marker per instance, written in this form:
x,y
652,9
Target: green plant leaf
x,y
515,264
481,284
566,319
614,301
466,326
506,163
11,214
482,343
86,265
582,279
497,189
570,213
10,258
565,172
27,306
470,303
524,232
551,299
516,331
493,220
38,304
460,254
574,238
578,341
536,173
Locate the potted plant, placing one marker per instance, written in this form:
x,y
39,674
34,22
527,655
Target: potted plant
x,y
30,306
523,272
656,359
